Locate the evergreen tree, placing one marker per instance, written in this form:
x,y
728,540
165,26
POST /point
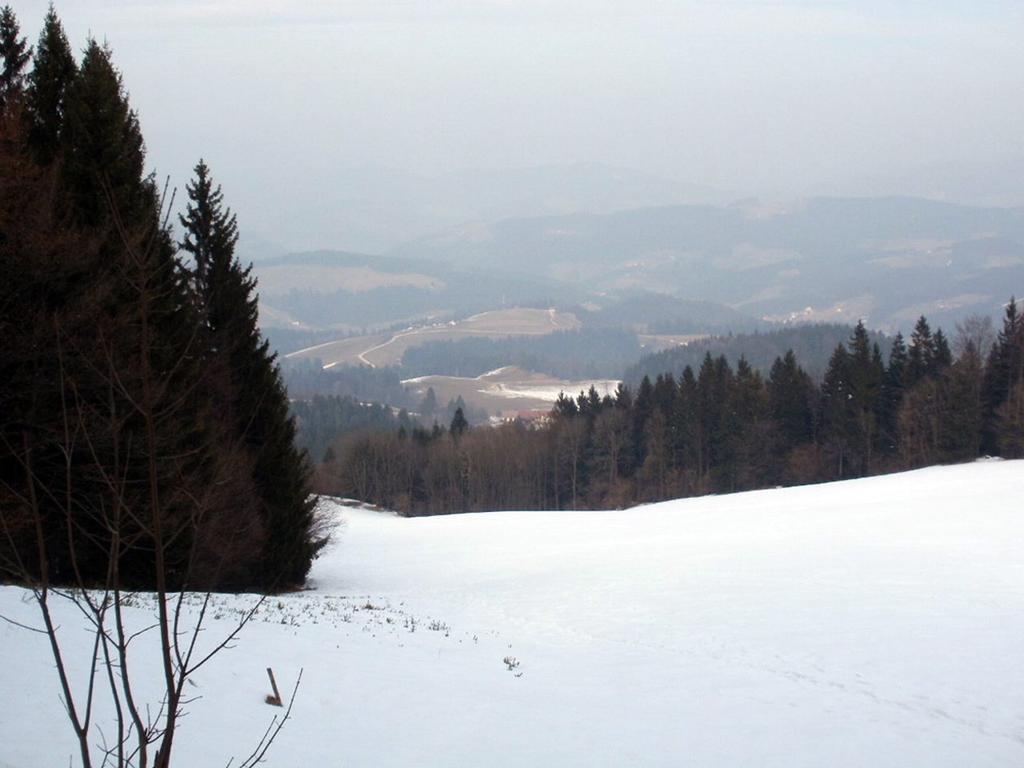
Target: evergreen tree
x,y
685,428
252,398
210,230
52,73
837,415
942,355
170,394
14,57
623,398
115,311
664,392
104,154
459,424
892,396
921,355
714,383
1005,368
565,406
790,391
429,405
746,443
866,374
643,408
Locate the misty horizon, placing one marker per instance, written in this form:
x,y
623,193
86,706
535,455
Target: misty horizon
x,y
304,113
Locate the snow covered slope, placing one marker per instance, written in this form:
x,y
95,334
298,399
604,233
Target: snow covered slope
x,y
875,622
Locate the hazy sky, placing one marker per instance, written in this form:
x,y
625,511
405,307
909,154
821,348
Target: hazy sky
x,y
755,97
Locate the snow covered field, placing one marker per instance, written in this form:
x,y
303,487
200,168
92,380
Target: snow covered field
x,y
875,622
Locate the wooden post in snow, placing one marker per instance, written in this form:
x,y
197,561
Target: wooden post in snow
x,y
275,699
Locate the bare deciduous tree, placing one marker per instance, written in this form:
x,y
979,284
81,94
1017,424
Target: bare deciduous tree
x,y
144,503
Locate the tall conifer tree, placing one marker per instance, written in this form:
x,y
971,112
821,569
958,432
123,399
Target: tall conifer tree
x,y
1005,368
892,395
837,414
942,356
104,154
52,72
250,394
14,57
790,393
921,354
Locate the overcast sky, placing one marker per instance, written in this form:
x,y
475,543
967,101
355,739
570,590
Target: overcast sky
x,y
782,98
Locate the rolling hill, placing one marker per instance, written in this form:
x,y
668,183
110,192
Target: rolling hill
x,y
870,622
887,260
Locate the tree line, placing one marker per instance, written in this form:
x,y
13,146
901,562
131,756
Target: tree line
x,y
306,378
321,420
715,429
144,427
812,344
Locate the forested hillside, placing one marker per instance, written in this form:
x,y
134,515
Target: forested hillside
x,y
812,345
720,427
887,260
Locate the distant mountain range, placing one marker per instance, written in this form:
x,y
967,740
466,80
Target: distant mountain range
x,y
886,260
373,209
675,269
353,292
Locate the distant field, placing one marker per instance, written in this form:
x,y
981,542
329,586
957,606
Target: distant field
x,y
334,353
506,391
387,349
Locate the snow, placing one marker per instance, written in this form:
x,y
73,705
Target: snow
x,y
551,393
872,622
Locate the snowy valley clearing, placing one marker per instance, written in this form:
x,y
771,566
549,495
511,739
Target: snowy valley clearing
x,y
508,391
874,622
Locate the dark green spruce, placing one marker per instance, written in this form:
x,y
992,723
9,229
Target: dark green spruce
x,y
53,70
14,57
247,385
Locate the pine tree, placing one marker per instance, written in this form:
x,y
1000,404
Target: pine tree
x,y
52,73
714,382
1004,370
790,391
866,375
565,406
838,419
623,398
921,354
104,154
892,395
459,424
429,405
746,445
685,427
942,357
643,407
14,57
252,399
118,321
